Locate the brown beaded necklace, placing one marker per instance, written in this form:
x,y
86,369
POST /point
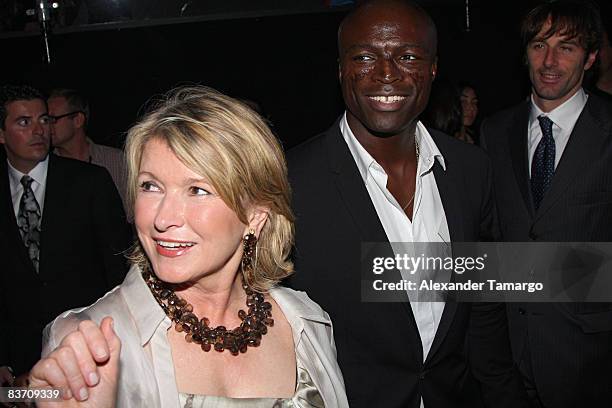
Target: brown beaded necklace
x,y
248,334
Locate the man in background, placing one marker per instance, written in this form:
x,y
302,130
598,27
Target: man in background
x,y
69,113
62,229
552,168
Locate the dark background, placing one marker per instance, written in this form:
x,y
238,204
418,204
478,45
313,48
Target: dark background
x,y
283,60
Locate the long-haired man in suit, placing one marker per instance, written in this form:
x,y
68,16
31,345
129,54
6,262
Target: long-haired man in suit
x,y
552,162
378,175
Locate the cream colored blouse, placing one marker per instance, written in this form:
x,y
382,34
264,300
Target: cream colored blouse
x,y
146,377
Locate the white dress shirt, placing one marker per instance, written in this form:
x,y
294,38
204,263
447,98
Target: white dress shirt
x,y
428,221
564,119
39,185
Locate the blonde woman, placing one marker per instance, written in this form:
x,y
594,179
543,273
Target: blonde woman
x,y
200,320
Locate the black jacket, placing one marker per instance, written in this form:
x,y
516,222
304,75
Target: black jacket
x,y
83,235
570,344
379,348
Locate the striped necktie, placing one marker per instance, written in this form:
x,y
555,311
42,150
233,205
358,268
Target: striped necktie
x,y
28,220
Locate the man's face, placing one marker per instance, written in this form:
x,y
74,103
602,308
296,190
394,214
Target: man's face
x,y
26,133
387,64
556,67
63,129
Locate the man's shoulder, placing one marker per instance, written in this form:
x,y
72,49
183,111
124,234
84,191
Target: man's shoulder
x,y
310,161
601,110
507,114
108,151
458,155
75,168
498,125
58,163
313,147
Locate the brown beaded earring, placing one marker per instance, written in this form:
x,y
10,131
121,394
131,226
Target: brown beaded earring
x,y
249,244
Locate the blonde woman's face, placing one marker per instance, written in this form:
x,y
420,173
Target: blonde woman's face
x,y
185,228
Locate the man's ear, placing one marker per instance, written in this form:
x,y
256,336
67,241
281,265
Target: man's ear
x,y
434,68
339,71
79,120
590,60
257,219
2,139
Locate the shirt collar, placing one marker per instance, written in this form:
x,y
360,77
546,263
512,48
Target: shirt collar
x,y
148,314
38,173
564,115
428,150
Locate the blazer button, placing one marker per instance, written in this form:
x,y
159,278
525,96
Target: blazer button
x,y
422,375
522,311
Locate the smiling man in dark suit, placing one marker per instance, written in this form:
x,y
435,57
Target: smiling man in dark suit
x,y
378,175
62,229
552,162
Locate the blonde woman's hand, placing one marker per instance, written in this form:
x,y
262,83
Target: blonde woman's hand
x,y
85,366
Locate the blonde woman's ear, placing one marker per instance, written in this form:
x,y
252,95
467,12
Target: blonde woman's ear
x,y
257,220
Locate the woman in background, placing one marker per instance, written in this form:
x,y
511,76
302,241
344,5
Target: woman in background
x,y
200,320
469,110
443,112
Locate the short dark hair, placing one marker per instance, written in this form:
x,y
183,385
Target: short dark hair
x,y
76,101
12,93
360,6
572,18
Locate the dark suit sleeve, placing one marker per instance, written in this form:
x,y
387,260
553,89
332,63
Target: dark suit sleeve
x,y
483,138
490,229
488,339
112,231
491,358
4,327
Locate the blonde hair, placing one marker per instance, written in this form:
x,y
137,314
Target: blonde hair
x,y
226,142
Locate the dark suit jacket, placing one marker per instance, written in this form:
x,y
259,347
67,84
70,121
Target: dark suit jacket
x,y
570,344
84,232
379,348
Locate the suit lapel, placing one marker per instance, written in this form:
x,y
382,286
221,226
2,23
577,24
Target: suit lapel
x,y
50,197
517,142
586,142
354,194
451,200
56,184
453,209
351,187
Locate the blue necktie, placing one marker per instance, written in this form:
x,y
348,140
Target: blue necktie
x,y
543,164
28,220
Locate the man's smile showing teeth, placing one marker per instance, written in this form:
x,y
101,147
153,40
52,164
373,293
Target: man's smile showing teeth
x,y
388,99
548,77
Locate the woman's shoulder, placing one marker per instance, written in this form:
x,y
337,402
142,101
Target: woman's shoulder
x,y
298,303
111,304
125,304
